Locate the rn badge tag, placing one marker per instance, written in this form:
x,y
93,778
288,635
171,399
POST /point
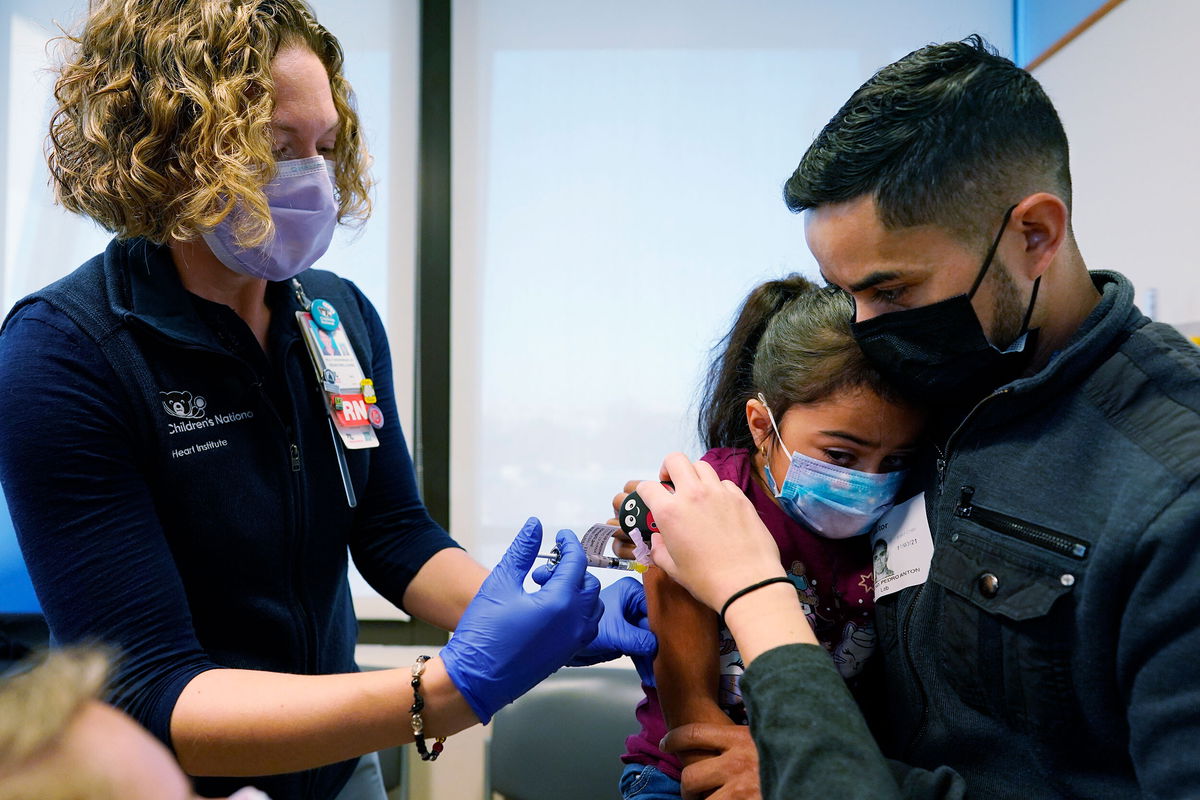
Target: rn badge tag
x,y
339,374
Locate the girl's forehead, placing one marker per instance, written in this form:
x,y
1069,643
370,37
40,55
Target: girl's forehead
x,y
856,413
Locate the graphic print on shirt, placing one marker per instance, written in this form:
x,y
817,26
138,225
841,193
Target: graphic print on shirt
x,y
183,405
192,415
856,646
850,646
729,690
809,601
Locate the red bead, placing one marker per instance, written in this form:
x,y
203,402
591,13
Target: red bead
x,y
437,747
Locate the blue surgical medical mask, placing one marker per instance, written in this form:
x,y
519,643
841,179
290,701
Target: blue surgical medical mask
x,y
831,501
304,212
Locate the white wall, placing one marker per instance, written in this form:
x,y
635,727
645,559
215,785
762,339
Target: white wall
x,y
42,242
617,190
1126,91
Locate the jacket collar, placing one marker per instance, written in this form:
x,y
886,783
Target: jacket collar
x,y
149,291
1104,330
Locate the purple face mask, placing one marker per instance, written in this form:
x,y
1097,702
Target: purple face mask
x,y
304,211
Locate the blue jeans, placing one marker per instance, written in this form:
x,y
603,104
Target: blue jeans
x,y
648,783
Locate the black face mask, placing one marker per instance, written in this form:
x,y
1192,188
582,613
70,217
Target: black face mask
x,y
938,354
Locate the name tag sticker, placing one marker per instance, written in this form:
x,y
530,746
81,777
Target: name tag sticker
x,y
901,548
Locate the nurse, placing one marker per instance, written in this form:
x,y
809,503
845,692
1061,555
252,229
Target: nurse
x,y
201,463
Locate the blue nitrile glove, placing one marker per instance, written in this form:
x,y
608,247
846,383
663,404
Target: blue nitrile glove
x,y
624,628
509,640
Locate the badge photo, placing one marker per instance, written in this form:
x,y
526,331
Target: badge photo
x,y
901,547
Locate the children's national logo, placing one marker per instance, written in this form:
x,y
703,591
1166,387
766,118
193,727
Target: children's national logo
x,y
183,405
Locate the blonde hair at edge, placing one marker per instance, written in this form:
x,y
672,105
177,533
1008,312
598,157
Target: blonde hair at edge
x,y
163,117
36,708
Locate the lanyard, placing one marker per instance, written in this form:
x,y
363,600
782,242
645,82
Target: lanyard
x,y
349,396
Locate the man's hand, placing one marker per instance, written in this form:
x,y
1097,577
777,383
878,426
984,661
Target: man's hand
x,y
731,771
624,627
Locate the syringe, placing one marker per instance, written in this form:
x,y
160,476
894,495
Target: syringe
x,y
594,560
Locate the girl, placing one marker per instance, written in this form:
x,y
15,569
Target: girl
x,y
797,418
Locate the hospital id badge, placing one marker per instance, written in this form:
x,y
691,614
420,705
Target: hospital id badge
x,y
901,547
342,380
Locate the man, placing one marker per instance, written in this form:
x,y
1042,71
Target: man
x,y
59,742
1050,649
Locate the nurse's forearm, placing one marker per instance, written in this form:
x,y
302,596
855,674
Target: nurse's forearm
x,y
235,723
444,587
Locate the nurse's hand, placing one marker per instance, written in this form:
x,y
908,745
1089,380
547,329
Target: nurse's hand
x,y
711,539
624,627
509,640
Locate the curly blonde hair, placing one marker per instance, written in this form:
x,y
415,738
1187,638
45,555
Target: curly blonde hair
x,y
163,122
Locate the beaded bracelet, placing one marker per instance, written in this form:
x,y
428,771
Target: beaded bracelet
x,y
751,588
418,724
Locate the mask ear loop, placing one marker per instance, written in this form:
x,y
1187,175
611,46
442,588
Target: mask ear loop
x,y
771,482
987,262
774,427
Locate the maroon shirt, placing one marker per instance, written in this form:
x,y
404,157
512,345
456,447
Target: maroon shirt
x,y
833,578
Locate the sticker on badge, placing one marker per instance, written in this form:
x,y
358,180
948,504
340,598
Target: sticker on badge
x,y
350,410
324,315
357,438
901,548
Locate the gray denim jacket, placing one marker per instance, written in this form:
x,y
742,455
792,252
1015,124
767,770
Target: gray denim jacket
x,y
1054,650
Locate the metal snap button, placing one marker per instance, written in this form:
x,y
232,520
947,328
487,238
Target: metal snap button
x,y
989,584
1067,579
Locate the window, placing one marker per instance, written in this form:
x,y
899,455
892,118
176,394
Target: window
x,y
617,191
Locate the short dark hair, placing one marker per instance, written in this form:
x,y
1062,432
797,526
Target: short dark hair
x,y
950,135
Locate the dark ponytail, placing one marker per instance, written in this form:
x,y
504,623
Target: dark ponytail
x,y
791,342
730,380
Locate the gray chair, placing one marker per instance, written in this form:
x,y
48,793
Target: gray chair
x,y
564,738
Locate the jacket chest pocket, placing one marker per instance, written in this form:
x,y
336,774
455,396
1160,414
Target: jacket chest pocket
x,y
1008,611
